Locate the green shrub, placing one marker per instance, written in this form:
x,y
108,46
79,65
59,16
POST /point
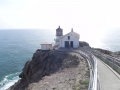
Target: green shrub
x,y
86,82
76,87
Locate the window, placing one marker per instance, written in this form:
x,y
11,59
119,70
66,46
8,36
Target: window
x,y
68,37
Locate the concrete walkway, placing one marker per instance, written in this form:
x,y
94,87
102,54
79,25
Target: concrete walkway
x,y
108,80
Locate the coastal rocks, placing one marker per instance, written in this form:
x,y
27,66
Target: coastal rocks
x,y
83,43
110,53
48,69
104,51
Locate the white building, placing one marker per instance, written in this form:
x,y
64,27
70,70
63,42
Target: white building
x,y
46,46
70,39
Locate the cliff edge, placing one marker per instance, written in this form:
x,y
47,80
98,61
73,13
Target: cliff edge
x,y
53,70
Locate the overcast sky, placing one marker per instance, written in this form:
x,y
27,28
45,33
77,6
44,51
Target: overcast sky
x,y
94,15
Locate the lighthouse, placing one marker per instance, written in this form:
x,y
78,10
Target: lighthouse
x,y
59,34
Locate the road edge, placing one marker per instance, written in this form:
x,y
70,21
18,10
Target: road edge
x,y
118,76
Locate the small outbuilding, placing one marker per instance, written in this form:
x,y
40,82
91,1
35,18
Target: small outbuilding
x,y
46,46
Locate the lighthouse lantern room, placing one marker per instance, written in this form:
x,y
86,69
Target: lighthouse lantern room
x,y
59,34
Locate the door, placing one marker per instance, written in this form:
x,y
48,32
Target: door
x,y
66,44
71,44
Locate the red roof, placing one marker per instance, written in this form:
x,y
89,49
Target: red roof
x,y
59,28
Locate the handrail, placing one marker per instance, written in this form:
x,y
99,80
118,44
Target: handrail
x,y
95,75
93,72
90,68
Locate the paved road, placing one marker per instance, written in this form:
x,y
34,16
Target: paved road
x,y
108,80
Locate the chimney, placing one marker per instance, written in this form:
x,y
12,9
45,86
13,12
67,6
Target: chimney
x,y
72,30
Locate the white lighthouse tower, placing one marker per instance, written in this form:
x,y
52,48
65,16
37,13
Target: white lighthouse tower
x,y
59,33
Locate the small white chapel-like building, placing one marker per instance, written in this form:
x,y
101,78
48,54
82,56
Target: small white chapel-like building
x,y
69,40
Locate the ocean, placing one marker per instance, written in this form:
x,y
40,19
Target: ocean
x,y
18,46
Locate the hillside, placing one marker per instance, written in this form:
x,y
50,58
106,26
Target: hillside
x,y
53,70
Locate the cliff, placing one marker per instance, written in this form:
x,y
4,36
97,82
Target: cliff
x,y
83,43
107,52
53,70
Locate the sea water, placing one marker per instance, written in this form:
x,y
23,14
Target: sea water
x,y
18,46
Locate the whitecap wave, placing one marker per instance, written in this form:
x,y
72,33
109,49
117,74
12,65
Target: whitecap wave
x,y
9,80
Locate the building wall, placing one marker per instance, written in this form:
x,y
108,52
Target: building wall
x,y
72,38
46,46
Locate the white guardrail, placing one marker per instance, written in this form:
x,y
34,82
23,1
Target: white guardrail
x,y
95,75
93,71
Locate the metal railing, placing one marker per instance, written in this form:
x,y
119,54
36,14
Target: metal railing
x,y
93,70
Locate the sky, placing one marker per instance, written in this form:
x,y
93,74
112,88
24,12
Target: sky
x,y
92,19
85,15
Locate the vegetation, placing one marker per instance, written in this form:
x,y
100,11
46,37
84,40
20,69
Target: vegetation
x,y
82,85
54,88
76,87
86,82
112,65
88,73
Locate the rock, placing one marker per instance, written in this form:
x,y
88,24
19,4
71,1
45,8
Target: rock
x,y
46,63
104,51
83,43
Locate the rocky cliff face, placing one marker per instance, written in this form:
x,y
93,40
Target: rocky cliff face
x,y
103,51
53,70
83,43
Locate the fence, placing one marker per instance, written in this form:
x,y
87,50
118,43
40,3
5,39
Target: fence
x,y
93,70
